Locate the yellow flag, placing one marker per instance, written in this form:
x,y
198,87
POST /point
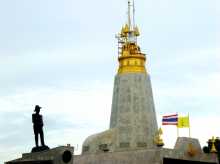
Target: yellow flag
x,y
183,122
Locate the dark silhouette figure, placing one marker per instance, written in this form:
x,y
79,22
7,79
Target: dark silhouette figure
x,y
38,124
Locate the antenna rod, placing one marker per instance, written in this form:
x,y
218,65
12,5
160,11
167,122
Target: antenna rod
x,y
129,14
133,15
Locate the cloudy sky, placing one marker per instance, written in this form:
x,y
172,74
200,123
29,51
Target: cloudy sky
x,y
62,55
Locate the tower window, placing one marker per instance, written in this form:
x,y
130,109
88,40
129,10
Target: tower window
x,y
124,144
141,144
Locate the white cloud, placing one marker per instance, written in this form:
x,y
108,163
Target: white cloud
x,y
70,115
206,86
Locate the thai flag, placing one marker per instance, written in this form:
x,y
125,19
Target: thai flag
x,y
170,120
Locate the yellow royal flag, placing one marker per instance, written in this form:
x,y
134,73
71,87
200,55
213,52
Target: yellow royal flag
x,y
183,122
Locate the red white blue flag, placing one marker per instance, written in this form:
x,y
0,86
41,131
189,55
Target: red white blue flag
x,y
170,120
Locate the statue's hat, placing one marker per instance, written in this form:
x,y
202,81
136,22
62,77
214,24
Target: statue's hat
x,y
37,107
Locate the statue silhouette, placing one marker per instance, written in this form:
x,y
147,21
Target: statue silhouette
x,y
38,124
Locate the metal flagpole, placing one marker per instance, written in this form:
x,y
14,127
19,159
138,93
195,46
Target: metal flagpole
x,y
177,131
177,125
189,127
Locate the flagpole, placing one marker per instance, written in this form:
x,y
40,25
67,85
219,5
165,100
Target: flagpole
x,y
189,127
189,133
177,126
177,131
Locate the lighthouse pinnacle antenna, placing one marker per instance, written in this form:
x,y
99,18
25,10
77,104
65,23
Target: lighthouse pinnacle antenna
x,y
129,14
133,15
131,22
129,31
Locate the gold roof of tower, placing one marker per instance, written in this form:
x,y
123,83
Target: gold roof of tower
x,y
131,59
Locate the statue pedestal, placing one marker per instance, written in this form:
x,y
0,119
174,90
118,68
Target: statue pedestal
x,y
39,149
58,155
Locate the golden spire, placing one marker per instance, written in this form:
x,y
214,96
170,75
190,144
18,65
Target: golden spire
x,y
213,149
131,59
126,28
158,138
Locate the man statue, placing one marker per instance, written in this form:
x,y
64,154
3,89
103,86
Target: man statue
x,y
38,124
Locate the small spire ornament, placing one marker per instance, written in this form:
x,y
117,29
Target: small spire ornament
x,y
213,149
158,138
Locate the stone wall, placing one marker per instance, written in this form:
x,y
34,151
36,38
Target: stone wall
x,y
153,156
133,112
133,122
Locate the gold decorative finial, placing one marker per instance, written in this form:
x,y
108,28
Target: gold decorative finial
x,y
131,59
126,29
136,31
158,138
213,149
